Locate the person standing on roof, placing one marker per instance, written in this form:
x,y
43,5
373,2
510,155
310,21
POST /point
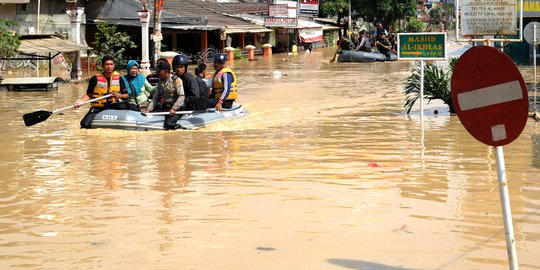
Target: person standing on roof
x,y
195,98
224,83
101,84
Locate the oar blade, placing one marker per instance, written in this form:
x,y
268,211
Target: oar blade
x,y
36,117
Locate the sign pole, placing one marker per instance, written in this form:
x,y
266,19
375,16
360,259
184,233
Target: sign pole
x,y
422,90
507,213
535,42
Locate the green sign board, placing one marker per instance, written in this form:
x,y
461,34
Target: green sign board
x,y
422,46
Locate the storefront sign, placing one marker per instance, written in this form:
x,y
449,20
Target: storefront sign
x,y
417,46
310,7
496,17
531,8
308,35
280,22
281,11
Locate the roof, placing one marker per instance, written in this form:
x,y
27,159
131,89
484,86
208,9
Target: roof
x,y
47,44
214,13
302,24
124,12
182,15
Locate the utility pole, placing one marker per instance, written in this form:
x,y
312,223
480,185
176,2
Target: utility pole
x,y
157,37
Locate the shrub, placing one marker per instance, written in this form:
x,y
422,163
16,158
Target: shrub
x,y
415,26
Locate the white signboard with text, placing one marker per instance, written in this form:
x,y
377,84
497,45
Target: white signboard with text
x,y
493,17
280,11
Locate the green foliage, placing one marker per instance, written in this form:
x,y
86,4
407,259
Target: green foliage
x,y
384,11
435,15
436,85
111,42
415,26
9,40
238,53
335,6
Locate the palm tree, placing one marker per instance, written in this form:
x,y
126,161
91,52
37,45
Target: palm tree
x,y
436,85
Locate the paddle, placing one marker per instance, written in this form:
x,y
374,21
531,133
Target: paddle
x,y
335,55
150,114
42,115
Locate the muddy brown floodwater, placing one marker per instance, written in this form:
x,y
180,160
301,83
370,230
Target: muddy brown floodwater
x,y
327,172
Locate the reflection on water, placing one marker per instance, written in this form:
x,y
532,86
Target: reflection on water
x,y
327,172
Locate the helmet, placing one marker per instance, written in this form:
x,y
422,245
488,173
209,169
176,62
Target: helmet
x,y
180,59
221,57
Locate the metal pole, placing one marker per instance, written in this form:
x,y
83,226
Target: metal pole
x,y
350,20
507,213
422,90
38,13
534,64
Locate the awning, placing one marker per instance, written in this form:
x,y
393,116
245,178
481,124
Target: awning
x,y
14,1
48,44
242,29
308,35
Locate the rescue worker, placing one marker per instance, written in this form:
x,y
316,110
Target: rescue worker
x,y
169,96
383,45
224,83
107,82
195,98
364,44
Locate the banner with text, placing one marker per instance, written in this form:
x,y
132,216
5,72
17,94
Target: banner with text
x,y
279,11
279,22
480,17
309,7
308,35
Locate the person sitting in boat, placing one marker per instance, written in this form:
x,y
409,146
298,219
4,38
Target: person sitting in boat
x,y
195,98
365,44
224,82
355,40
393,41
169,96
200,74
383,45
345,44
153,78
138,88
101,84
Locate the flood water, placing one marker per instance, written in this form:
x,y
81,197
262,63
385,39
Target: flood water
x,y
327,172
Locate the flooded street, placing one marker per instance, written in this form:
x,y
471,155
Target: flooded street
x,y
327,172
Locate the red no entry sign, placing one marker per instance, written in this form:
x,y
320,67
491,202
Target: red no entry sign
x,y
490,96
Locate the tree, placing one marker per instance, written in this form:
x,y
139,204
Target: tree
x,y
111,42
9,40
337,7
387,12
435,15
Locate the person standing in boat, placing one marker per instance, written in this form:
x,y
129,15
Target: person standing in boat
x,y
104,83
195,98
379,32
138,88
224,82
169,96
153,78
364,45
200,74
